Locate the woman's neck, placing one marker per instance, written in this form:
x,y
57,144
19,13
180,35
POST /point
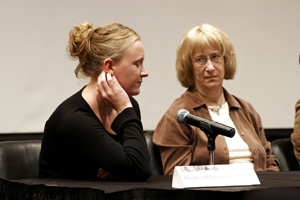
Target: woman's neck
x,y
105,114
212,97
93,98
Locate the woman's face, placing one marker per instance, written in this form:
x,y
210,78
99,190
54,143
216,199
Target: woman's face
x,y
130,70
209,69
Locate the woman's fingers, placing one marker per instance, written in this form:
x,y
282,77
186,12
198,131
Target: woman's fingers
x,y
112,93
102,174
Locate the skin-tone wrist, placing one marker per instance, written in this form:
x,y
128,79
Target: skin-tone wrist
x,y
104,175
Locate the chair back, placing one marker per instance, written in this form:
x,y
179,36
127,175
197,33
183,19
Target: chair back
x,y
19,159
283,150
155,159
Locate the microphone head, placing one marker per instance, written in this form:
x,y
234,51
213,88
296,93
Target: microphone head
x,y
180,115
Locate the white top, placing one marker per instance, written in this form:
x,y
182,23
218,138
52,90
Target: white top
x,y
238,150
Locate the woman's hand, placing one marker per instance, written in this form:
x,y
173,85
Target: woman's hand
x,y
112,92
104,175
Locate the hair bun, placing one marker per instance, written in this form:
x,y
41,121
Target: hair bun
x,y
79,42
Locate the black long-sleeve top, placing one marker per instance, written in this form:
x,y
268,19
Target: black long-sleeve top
x,y
75,143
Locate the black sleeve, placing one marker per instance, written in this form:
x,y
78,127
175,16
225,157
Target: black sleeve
x,y
127,159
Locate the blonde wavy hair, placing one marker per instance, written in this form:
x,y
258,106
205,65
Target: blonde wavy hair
x,y
93,45
199,38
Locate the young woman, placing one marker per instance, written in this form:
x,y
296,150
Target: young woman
x,y
97,132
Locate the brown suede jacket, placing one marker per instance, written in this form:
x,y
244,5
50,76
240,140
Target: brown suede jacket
x,y
182,144
296,134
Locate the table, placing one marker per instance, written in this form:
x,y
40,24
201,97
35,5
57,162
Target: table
x,y
274,185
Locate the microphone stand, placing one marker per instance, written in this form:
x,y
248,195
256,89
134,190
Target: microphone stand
x,y
211,136
211,147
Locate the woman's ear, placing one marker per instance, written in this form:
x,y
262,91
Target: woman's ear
x,y
108,66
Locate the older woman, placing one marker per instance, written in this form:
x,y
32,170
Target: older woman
x,y
205,57
97,132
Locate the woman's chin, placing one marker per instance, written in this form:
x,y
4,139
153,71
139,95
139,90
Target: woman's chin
x,y
133,93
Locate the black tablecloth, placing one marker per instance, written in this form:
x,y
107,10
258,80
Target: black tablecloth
x,y
274,185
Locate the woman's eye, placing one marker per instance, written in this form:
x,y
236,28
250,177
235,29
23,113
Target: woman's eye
x,y
139,64
199,59
216,57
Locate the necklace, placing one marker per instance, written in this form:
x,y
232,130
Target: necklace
x,y
216,109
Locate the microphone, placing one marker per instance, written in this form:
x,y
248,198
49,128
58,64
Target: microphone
x,y
184,117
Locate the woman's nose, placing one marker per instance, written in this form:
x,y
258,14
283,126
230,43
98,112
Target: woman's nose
x,y
210,65
144,72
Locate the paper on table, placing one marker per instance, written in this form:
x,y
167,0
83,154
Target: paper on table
x,y
214,176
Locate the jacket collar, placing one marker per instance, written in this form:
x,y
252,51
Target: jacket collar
x,y
196,101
